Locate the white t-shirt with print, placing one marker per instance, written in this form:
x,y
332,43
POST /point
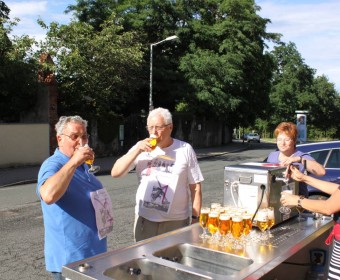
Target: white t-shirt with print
x,y
163,193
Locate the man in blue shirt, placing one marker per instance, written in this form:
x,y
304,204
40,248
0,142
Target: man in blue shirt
x,y
66,188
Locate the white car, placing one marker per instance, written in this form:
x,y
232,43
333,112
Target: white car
x,y
255,137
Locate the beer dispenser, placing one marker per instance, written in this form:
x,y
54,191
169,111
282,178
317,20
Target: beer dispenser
x,y
257,185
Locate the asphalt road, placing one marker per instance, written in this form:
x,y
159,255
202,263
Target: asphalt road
x,y
21,226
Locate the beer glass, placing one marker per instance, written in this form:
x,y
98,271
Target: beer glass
x,y
247,224
300,210
215,205
271,219
213,226
93,168
204,215
153,141
236,231
262,222
224,227
285,209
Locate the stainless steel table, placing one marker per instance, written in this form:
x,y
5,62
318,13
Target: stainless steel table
x,y
182,254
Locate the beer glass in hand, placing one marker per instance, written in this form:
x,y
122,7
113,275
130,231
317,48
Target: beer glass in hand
x,y
153,141
204,215
93,168
285,209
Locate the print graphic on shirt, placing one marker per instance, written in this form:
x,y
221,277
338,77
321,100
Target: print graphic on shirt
x,y
101,202
157,164
159,191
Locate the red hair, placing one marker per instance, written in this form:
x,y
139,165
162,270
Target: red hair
x,y
288,128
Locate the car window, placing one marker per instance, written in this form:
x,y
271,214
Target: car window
x,y
334,159
320,156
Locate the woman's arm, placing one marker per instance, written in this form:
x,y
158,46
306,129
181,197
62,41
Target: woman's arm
x,y
326,207
313,167
324,186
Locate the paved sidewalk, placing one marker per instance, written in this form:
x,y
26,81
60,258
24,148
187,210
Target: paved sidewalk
x,y
29,174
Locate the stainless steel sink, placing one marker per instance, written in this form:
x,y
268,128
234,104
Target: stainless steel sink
x,y
205,259
144,269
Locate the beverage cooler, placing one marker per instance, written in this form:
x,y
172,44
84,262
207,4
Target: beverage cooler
x,y
257,185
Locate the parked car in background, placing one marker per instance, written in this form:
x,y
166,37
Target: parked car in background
x,y
327,154
253,137
244,137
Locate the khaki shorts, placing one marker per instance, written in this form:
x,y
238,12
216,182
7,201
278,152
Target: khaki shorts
x,y
144,228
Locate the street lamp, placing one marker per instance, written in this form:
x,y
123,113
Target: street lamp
x,y
151,46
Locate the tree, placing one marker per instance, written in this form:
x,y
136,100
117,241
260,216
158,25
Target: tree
x,y
228,44
97,71
324,106
291,84
4,11
93,12
18,72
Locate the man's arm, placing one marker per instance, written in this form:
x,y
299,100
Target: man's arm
x,y
123,164
56,185
196,200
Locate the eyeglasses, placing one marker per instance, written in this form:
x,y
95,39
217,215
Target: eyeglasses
x,y
286,140
75,137
157,128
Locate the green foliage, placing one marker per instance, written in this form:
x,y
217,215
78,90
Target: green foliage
x,y
295,87
97,71
291,84
4,11
227,43
219,68
18,73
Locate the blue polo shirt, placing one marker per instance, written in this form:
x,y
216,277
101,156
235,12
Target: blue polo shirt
x,y
70,225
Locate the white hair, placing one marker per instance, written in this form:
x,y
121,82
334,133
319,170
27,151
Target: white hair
x,y
64,120
165,113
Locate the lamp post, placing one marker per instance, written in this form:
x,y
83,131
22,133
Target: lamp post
x,y
151,47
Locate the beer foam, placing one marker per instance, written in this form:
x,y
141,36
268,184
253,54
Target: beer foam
x,y
271,214
224,217
213,214
237,219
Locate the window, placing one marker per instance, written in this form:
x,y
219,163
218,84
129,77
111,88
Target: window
x,y
334,159
320,156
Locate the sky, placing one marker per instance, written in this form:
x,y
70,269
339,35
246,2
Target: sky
x,y
312,25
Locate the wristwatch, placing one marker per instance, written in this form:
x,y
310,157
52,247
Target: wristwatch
x,y
194,217
299,201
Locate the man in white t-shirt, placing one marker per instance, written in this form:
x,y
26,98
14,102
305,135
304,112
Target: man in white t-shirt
x,y
169,177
